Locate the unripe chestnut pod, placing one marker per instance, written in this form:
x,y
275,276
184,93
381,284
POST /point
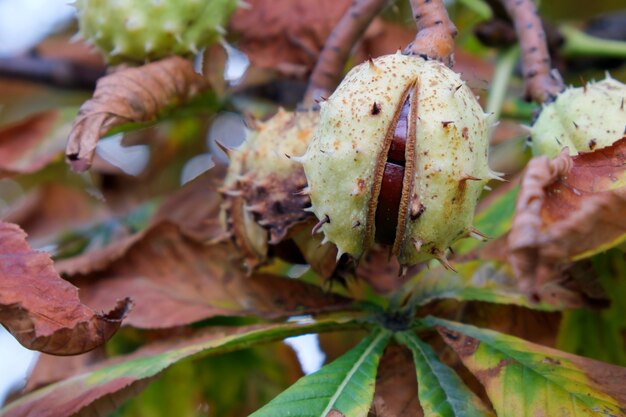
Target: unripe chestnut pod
x,y
582,119
145,30
399,157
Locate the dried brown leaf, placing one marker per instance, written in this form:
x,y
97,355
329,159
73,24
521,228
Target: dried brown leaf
x,y
568,208
27,146
42,310
106,385
193,208
396,385
321,257
384,37
53,208
98,259
286,35
191,281
50,368
130,95
23,99
535,326
383,272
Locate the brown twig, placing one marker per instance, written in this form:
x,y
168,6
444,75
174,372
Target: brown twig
x,y
435,31
328,70
541,83
54,72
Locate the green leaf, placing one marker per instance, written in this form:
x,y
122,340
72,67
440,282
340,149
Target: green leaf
x,y
106,388
441,392
345,385
227,385
494,219
525,379
473,281
599,334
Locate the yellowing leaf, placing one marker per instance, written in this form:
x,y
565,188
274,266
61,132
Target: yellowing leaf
x,y
569,208
102,390
525,379
472,281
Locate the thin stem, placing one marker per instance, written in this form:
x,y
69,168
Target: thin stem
x,y
541,83
500,83
328,71
578,43
435,31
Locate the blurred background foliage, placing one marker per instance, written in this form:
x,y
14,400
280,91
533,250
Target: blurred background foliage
x,y
139,166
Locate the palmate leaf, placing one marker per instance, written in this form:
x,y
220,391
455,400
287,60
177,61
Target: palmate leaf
x,y
440,390
491,282
101,391
345,387
598,334
232,384
525,379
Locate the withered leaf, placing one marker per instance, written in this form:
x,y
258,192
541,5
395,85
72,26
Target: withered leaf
x,y
108,384
193,208
130,95
98,259
42,310
382,272
384,37
285,35
50,368
523,378
53,208
191,281
321,257
27,146
396,385
569,208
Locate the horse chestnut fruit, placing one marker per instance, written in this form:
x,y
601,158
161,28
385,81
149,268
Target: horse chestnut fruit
x,y
400,158
582,119
145,30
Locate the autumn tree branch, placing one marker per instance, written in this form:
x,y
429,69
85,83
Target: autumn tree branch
x,y
328,70
435,31
541,83
54,72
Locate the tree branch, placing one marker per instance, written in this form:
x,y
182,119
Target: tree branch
x,y
54,72
435,31
328,70
541,83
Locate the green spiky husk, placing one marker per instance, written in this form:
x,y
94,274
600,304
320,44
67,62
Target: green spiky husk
x,y
146,30
341,161
582,119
